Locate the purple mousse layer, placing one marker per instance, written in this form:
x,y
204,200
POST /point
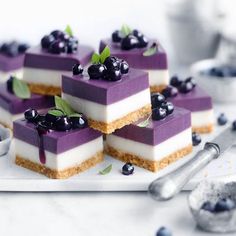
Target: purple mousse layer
x,y
15,105
157,131
105,92
135,56
55,142
196,100
40,59
11,63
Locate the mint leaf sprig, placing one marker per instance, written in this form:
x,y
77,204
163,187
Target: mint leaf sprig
x,y
151,50
20,88
106,171
100,58
145,123
125,30
69,31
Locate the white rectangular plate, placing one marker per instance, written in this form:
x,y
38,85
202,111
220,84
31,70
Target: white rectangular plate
x,y
15,178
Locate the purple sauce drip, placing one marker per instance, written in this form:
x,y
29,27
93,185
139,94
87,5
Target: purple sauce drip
x,y
42,156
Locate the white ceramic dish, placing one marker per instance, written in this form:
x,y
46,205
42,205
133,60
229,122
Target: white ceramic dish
x,y
5,135
220,89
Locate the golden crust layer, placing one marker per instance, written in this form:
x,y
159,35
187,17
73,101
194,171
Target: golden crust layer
x,y
5,125
157,88
153,166
109,128
63,174
44,89
203,129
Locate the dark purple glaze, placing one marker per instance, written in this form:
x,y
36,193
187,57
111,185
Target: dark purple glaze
x,y
42,156
56,142
105,92
11,63
157,131
40,59
196,100
15,105
135,56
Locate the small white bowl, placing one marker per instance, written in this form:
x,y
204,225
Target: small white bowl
x,y
5,142
221,89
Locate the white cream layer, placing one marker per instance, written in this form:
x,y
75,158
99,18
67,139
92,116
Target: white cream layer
x,y
7,118
62,161
43,76
149,152
202,118
158,77
111,112
4,76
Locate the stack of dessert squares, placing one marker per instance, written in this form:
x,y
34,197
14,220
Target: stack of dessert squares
x,y
69,98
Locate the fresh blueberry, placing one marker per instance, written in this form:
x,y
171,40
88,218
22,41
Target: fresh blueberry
x,y
234,125
163,231
46,41
78,122
31,115
116,37
196,139
185,87
225,204
64,37
170,92
208,206
40,118
57,47
129,42
157,99
97,71
77,69
112,63
113,75
22,47
128,169
142,42
168,106
57,34
222,119
137,33
4,48
71,47
12,49
159,113
50,118
63,123
192,81
175,81
124,67
10,84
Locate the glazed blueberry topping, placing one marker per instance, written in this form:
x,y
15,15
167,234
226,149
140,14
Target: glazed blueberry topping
x,y
59,42
175,81
168,106
225,204
157,99
13,49
208,206
78,122
129,42
97,71
77,69
170,92
10,84
113,75
112,63
196,139
159,113
163,231
128,169
222,119
116,38
63,123
31,115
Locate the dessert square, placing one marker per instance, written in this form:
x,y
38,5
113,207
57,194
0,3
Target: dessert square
x,y
109,105
132,48
56,154
12,56
13,107
154,146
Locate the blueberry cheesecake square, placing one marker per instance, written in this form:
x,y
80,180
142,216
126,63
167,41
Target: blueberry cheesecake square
x,y
141,53
55,144
187,94
12,107
44,64
155,142
12,56
111,95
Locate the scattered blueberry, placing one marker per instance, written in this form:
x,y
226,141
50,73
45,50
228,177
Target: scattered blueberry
x,y
208,206
234,125
222,119
170,92
116,37
97,71
63,123
163,231
77,69
225,204
128,169
129,42
196,139
124,67
175,81
78,122
157,99
159,113
185,87
22,47
168,106
31,115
